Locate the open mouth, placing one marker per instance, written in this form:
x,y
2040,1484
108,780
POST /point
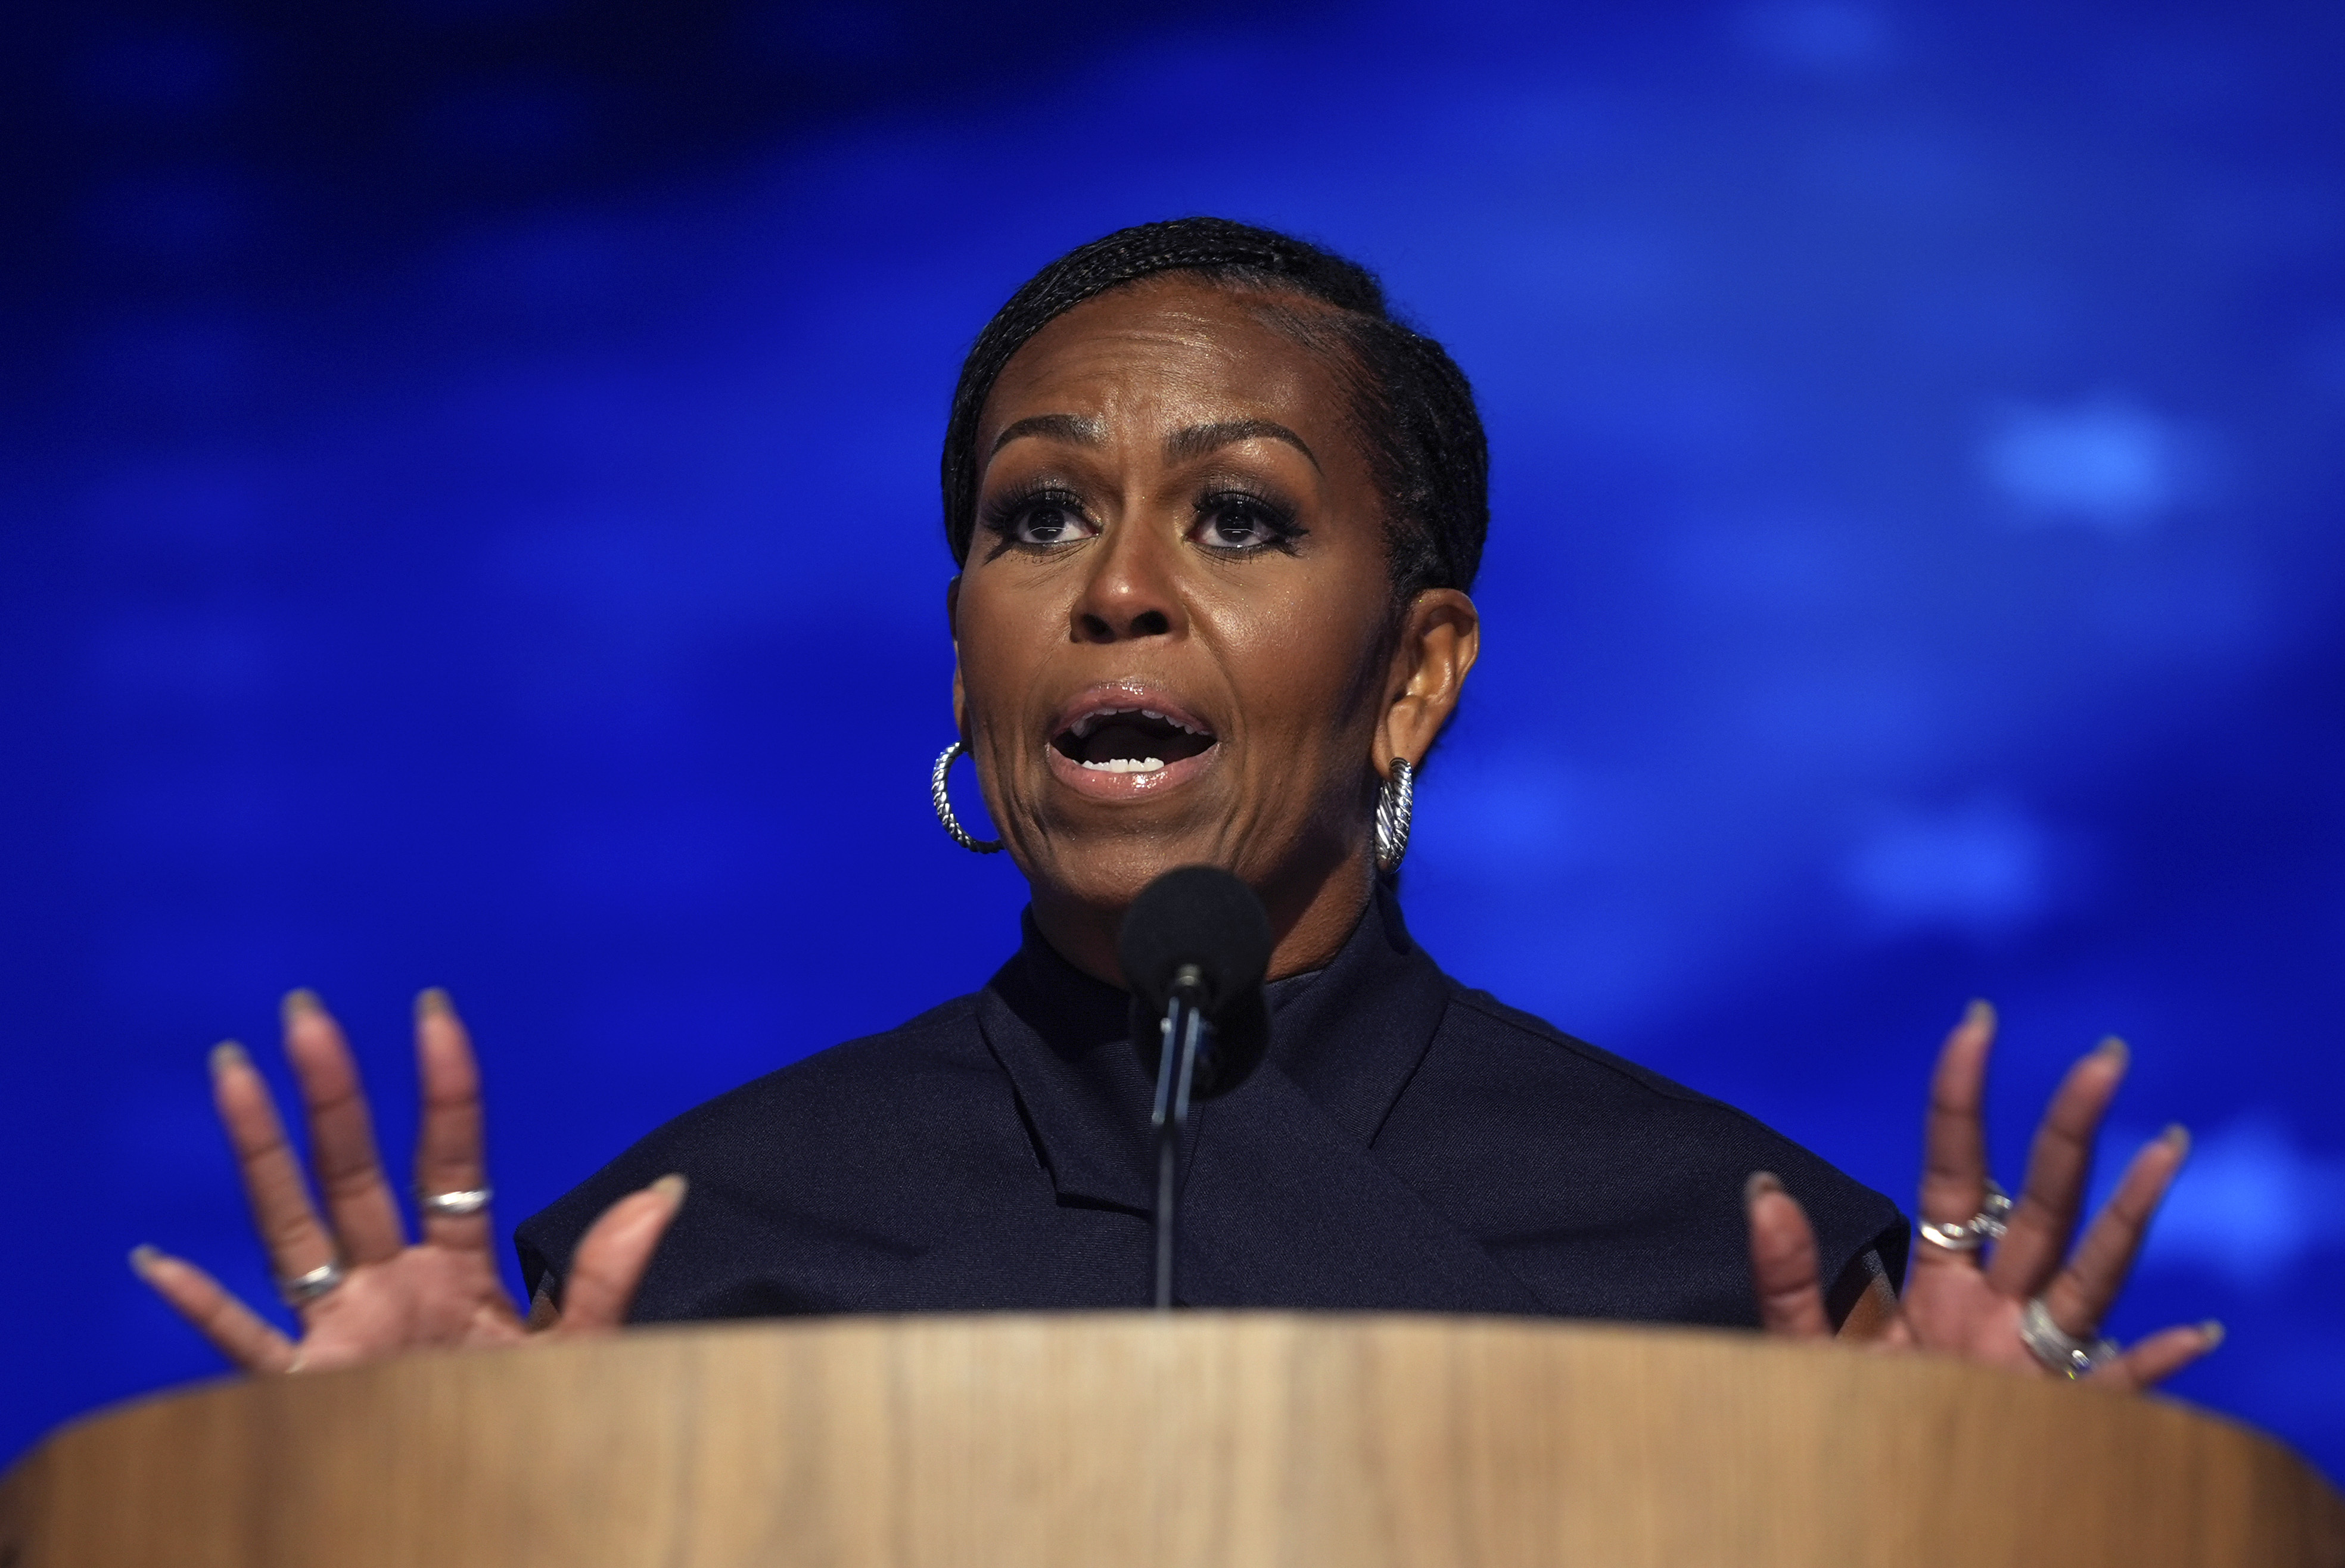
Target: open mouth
x,y
1129,741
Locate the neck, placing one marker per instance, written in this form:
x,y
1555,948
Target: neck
x,y
1311,917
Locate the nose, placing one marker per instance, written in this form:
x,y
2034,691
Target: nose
x,y
1130,591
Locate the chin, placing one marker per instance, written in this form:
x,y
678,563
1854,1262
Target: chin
x,y
1108,870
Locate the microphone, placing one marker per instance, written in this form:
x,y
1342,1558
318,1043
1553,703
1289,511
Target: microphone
x,y
1202,920
1195,948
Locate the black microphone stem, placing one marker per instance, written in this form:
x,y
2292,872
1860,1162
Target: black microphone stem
x,y
1176,1070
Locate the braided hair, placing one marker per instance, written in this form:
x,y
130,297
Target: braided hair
x,y
1411,404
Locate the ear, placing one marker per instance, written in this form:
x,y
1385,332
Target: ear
x,y
952,630
1440,635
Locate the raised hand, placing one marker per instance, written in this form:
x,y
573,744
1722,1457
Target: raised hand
x,y
361,1289
1969,1293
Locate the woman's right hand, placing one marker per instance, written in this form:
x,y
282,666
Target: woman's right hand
x,y
394,1294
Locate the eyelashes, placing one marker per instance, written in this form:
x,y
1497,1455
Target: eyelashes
x,y
1229,521
1039,517
1234,522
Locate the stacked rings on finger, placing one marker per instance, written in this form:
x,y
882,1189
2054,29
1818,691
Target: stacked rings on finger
x,y
1988,1224
2058,1349
303,1288
455,1205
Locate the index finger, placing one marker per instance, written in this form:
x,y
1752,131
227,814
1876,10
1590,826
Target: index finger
x,y
449,1162
1953,1160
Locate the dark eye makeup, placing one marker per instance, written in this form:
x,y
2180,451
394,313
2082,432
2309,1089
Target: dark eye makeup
x,y
1230,521
1236,521
1036,517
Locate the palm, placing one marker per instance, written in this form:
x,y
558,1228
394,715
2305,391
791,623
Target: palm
x,y
1957,1312
426,1295
393,1294
1969,1302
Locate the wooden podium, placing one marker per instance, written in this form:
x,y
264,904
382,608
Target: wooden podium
x,y
1131,1441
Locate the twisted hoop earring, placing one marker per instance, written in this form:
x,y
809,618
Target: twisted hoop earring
x,y
1394,802
944,805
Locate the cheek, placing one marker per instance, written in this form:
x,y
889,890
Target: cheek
x,y
1003,640
1304,672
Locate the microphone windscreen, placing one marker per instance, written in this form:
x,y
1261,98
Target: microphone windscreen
x,y
1200,915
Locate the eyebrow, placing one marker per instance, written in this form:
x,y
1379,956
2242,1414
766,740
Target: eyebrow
x,y
1181,446
1198,439
1058,427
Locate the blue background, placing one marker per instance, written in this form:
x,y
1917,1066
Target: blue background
x,y
467,517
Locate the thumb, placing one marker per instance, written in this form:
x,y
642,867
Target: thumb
x,y
1783,1269
613,1255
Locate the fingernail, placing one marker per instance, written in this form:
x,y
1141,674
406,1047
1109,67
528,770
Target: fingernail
x,y
2179,1136
2118,1051
431,999
143,1259
1761,1183
2213,1329
1979,1015
229,1054
671,1187
298,1001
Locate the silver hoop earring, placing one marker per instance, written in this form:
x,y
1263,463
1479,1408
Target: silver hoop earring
x,y
1394,802
945,811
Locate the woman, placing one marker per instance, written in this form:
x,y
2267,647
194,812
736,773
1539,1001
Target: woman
x,y
1216,514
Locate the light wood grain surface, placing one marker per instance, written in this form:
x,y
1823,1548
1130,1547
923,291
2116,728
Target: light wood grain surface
x,y
1136,1441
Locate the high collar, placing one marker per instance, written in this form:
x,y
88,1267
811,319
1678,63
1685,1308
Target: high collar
x,y
1349,1036
1284,1202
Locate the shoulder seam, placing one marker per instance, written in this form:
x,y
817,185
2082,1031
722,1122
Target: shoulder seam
x,y
943,1012
1644,1077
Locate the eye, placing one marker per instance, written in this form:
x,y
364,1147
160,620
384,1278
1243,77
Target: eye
x,y
1041,520
1239,524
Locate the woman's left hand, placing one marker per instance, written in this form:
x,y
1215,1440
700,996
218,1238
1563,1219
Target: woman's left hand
x,y
1970,1300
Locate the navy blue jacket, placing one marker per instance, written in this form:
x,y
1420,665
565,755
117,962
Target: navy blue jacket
x,y
1409,1145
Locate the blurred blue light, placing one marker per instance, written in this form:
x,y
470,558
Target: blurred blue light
x,y
2251,1205
1984,869
2107,464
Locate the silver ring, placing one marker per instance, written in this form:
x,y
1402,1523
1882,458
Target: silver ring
x,y
303,1288
1989,1224
455,1205
2063,1353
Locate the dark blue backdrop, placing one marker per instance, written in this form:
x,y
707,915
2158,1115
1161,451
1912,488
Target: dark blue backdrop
x,y
469,520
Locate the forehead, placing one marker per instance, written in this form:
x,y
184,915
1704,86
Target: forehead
x,y
1178,349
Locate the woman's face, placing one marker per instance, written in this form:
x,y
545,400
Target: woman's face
x,y
1176,637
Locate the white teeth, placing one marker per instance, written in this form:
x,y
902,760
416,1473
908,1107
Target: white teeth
x,y
1083,726
1128,765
